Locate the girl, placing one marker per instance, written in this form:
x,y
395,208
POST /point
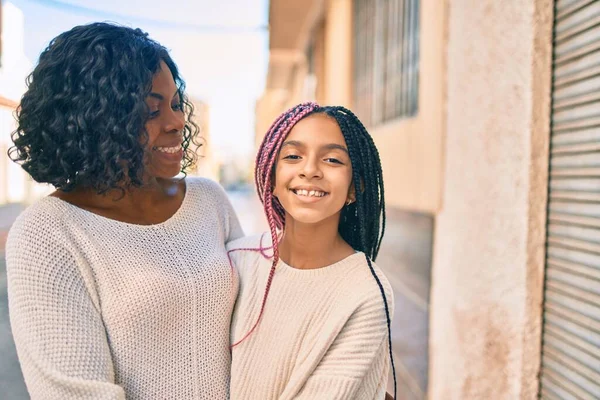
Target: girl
x,y
324,331
119,284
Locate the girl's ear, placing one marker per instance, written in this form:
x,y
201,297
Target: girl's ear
x,y
351,198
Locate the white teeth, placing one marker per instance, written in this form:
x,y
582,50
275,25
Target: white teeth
x,y
174,149
311,193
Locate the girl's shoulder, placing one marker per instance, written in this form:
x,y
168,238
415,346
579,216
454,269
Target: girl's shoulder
x,y
250,250
253,242
369,281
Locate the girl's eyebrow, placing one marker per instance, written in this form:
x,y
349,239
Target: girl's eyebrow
x,y
293,143
334,146
331,146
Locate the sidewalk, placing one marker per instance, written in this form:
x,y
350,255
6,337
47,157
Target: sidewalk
x,y
11,380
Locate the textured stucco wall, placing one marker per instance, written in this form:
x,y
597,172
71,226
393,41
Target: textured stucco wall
x,y
490,233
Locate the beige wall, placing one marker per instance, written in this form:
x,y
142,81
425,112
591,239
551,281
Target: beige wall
x,y
411,149
207,164
268,108
338,53
489,236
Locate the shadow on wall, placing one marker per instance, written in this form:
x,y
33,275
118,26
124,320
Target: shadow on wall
x,y
405,256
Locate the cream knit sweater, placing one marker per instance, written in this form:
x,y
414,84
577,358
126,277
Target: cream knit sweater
x,y
323,334
102,309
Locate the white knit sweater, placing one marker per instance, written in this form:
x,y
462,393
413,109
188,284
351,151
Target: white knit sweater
x,y
323,334
102,309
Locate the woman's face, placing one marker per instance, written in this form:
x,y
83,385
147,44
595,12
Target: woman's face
x,y
164,126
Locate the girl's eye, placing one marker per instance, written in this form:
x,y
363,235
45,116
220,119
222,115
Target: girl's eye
x,y
334,160
153,114
177,107
291,157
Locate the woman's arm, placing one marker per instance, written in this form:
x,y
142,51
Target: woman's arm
x,y
235,229
56,323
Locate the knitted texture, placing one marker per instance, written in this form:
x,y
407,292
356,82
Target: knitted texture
x,y
102,309
323,334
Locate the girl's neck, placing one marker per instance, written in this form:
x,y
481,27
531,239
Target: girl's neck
x,y
311,246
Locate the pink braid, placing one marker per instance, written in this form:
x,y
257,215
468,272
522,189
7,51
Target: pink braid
x,y
265,161
261,154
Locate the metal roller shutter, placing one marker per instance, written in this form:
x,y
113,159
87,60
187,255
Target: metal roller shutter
x,y
571,331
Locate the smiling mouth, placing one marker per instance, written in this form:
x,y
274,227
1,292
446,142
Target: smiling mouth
x,y
308,193
170,150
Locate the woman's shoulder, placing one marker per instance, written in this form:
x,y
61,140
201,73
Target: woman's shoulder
x,y
44,217
198,184
40,231
203,192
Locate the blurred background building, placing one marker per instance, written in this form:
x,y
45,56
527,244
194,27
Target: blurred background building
x,y
15,184
487,118
208,164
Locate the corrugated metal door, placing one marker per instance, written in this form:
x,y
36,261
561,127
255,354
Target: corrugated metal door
x,y
571,337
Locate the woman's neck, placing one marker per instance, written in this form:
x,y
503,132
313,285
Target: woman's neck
x,y
311,246
151,203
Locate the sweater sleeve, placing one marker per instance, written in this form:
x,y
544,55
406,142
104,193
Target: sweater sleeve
x,y
57,327
233,229
356,365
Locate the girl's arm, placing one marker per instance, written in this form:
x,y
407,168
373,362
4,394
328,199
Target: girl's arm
x,y
56,323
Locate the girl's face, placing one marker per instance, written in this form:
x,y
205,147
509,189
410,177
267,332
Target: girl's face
x,y
313,174
164,126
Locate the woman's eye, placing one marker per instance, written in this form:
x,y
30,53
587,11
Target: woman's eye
x,y
334,160
177,107
153,114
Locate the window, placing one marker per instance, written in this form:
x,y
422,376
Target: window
x,y
386,59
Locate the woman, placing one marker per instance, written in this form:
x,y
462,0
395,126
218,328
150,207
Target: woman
x,y
119,284
312,320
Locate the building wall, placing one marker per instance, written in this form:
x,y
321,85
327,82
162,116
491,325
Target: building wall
x,y
15,185
490,232
337,73
411,149
475,158
207,164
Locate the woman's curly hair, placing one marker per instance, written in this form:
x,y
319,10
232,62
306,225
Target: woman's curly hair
x,y
81,122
